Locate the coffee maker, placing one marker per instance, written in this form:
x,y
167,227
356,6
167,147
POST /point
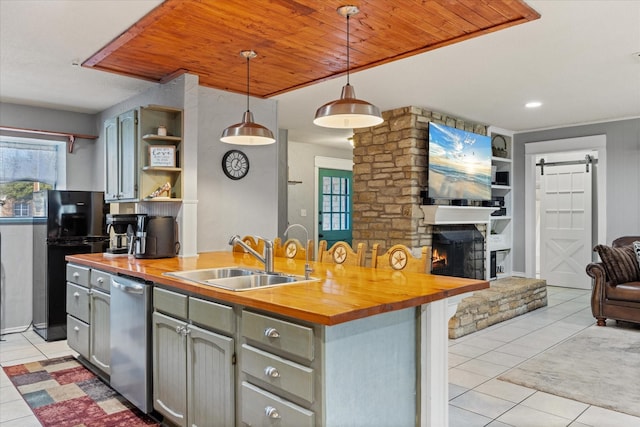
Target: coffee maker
x,y
123,227
155,237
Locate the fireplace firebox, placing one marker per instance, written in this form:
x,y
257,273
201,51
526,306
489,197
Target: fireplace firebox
x,y
458,250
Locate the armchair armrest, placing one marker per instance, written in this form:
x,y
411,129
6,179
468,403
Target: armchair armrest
x,y
597,272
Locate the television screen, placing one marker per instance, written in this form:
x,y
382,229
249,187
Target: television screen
x,y
459,164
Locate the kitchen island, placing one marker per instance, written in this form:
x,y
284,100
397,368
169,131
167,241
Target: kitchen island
x,y
376,351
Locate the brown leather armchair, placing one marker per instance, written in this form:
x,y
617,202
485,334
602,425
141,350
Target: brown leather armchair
x,y
609,300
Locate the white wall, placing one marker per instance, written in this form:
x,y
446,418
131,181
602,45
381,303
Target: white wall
x,y
302,168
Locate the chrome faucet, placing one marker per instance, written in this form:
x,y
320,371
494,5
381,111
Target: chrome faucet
x,y
266,258
307,267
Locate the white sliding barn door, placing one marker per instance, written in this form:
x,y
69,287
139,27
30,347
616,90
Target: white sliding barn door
x,y
565,225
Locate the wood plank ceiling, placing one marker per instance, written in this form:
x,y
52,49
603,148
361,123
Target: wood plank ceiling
x,y
299,42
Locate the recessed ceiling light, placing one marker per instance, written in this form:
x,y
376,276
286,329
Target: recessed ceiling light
x,y
533,104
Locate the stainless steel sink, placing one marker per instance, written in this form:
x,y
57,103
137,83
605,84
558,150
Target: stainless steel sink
x,y
237,278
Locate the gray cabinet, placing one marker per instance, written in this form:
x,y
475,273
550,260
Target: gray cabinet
x,y
193,371
278,374
121,144
88,315
78,308
100,320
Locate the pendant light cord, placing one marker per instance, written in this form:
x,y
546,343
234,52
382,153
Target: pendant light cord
x,y
348,48
248,83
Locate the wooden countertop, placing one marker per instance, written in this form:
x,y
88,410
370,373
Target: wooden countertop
x,y
342,294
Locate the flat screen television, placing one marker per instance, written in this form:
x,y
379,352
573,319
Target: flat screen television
x,y
459,164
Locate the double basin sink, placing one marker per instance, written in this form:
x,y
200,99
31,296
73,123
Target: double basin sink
x,y
237,278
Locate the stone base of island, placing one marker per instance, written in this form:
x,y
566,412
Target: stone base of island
x,y
353,346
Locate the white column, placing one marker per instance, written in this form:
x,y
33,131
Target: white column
x,y
434,365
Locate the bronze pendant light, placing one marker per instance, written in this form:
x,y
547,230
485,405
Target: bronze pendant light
x,y
348,112
247,132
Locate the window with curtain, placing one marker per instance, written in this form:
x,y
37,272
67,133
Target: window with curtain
x,y
26,165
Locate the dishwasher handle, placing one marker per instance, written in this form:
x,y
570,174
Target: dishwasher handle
x,y
131,288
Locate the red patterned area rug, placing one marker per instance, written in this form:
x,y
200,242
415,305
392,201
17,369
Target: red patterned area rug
x,y
63,393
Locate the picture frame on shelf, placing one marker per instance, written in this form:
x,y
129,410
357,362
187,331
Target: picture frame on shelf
x,y
162,156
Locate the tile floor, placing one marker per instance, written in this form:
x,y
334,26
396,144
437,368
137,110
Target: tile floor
x,y
476,398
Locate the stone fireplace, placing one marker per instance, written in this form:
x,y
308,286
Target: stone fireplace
x,y
389,173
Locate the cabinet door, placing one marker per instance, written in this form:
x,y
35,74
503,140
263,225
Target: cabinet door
x,y
100,331
210,382
112,156
128,171
170,368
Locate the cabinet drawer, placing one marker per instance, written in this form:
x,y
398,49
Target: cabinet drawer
x,y
78,274
261,408
78,336
101,280
78,301
170,302
278,335
212,315
281,373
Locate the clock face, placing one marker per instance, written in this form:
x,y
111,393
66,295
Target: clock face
x,y
235,164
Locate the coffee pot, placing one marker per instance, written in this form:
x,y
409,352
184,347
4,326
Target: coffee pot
x,y
122,226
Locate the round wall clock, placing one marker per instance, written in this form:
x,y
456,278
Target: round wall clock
x,y
235,164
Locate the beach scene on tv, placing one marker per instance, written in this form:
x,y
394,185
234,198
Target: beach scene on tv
x,y
459,164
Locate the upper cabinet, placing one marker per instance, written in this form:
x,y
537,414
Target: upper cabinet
x,y
121,145
500,239
143,155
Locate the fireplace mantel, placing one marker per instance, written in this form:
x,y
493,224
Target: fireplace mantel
x,y
441,214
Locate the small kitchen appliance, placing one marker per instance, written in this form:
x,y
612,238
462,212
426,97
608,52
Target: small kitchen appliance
x,y
123,227
155,237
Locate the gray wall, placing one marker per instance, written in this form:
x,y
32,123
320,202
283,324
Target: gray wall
x,y
16,272
302,168
225,206
83,167
622,175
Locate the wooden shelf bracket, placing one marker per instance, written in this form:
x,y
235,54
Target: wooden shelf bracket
x,y
71,137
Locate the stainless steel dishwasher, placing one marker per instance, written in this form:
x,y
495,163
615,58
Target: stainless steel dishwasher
x,y
131,373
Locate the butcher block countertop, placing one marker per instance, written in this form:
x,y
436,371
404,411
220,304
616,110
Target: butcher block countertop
x,y
342,293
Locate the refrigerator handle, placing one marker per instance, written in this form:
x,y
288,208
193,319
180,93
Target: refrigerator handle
x,y
131,289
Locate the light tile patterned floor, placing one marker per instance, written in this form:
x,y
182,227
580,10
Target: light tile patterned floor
x,y
477,398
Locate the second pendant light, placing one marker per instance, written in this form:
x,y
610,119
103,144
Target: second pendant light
x,y
348,112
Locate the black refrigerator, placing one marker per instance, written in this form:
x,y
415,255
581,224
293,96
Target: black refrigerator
x,y
64,223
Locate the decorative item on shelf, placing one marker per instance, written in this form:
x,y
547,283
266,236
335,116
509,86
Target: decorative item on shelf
x,y
499,147
247,132
348,112
502,178
162,156
163,189
162,131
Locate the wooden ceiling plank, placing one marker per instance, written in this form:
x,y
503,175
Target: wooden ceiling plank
x,y
299,42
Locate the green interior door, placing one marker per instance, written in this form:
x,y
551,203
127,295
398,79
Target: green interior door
x,y
335,205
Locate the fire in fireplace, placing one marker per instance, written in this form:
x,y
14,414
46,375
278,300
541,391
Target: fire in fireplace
x,y
458,250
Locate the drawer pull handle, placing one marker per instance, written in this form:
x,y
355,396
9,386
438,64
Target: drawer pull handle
x,y
76,294
272,412
76,275
100,280
271,333
272,372
75,328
